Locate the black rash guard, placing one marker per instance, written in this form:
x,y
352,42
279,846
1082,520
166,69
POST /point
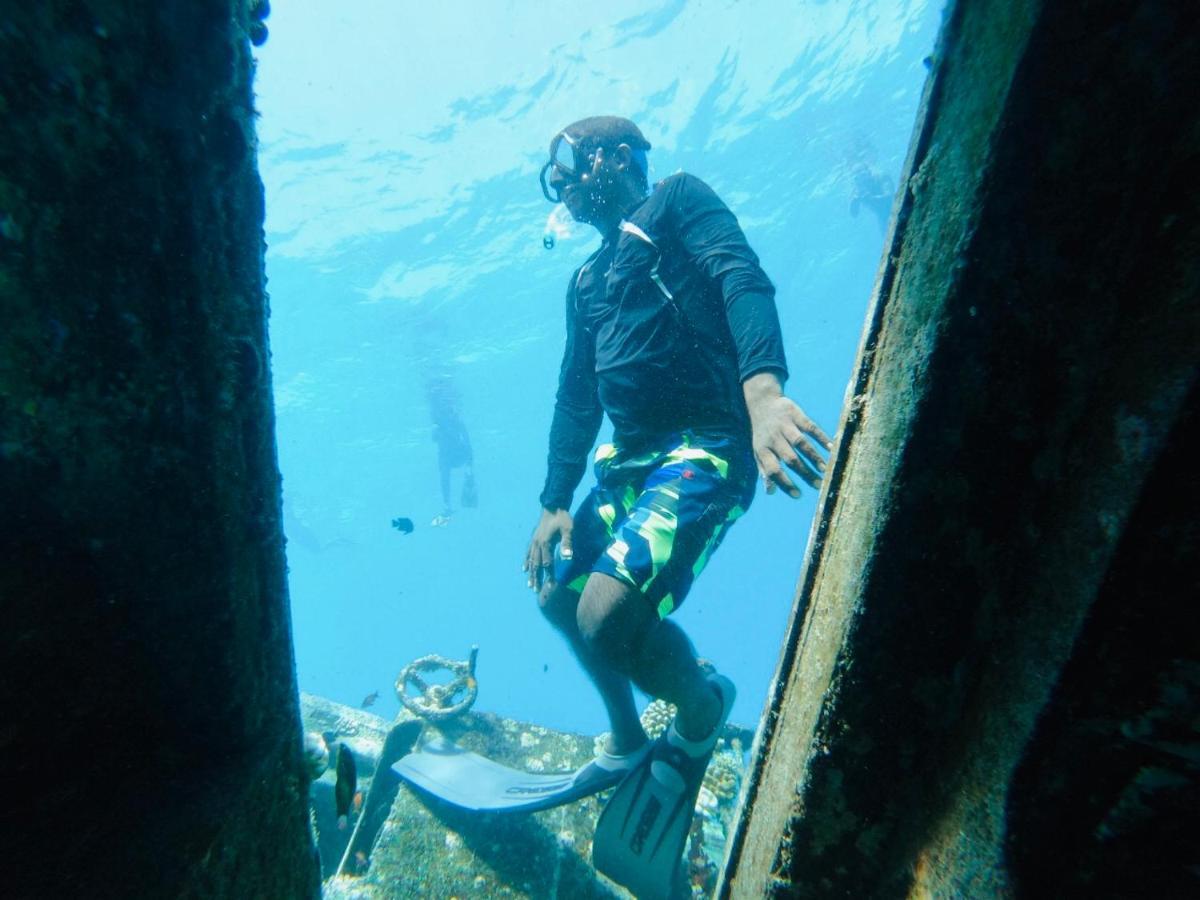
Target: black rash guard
x,y
664,323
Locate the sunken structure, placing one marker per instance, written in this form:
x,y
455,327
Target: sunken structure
x,y
990,678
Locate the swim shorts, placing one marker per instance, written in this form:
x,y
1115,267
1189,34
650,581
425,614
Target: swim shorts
x,y
655,517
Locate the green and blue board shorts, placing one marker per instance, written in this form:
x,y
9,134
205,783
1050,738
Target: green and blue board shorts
x,y
655,516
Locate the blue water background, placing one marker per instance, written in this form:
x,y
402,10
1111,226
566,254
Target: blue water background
x,y
399,147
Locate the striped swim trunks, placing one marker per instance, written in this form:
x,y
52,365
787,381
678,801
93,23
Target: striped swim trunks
x,y
655,517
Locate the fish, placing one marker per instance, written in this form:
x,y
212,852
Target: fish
x,y
360,861
345,786
370,699
358,802
545,667
404,526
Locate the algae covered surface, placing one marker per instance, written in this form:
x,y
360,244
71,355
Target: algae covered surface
x,y
426,848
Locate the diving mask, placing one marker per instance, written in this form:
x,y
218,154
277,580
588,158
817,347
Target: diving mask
x,y
568,160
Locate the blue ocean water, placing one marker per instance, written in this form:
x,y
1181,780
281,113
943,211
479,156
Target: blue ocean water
x,y
399,147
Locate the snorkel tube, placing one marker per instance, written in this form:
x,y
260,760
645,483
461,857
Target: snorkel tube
x,y
559,224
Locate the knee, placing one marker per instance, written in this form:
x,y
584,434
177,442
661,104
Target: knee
x,y
558,604
607,633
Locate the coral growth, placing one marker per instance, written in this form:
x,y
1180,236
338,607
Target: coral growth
x,y
656,717
723,775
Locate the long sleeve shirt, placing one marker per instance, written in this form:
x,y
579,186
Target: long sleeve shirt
x,y
664,322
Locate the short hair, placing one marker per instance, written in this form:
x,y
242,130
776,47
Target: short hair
x,y
610,132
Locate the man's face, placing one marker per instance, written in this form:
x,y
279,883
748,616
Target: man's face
x,y
584,191
585,177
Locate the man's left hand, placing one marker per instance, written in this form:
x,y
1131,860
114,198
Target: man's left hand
x,y
784,437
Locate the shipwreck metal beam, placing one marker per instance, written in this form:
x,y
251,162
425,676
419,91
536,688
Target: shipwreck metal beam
x,y
1027,374
151,731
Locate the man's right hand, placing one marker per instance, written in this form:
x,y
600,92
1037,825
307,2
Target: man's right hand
x,y
554,526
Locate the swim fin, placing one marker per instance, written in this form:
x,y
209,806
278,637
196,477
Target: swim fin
x,y
644,827
473,782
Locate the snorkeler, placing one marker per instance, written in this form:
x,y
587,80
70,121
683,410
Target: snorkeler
x,y
874,190
672,331
454,446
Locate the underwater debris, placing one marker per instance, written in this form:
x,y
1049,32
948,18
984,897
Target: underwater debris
x,y
439,702
316,753
412,852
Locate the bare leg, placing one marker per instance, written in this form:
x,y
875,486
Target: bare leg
x,y
559,605
621,628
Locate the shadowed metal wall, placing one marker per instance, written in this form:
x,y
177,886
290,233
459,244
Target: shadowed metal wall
x,y
151,737
991,681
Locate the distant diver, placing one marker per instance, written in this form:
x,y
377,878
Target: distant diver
x,y
874,190
454,446
672,331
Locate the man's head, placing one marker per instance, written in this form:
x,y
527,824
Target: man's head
x,y
597,166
